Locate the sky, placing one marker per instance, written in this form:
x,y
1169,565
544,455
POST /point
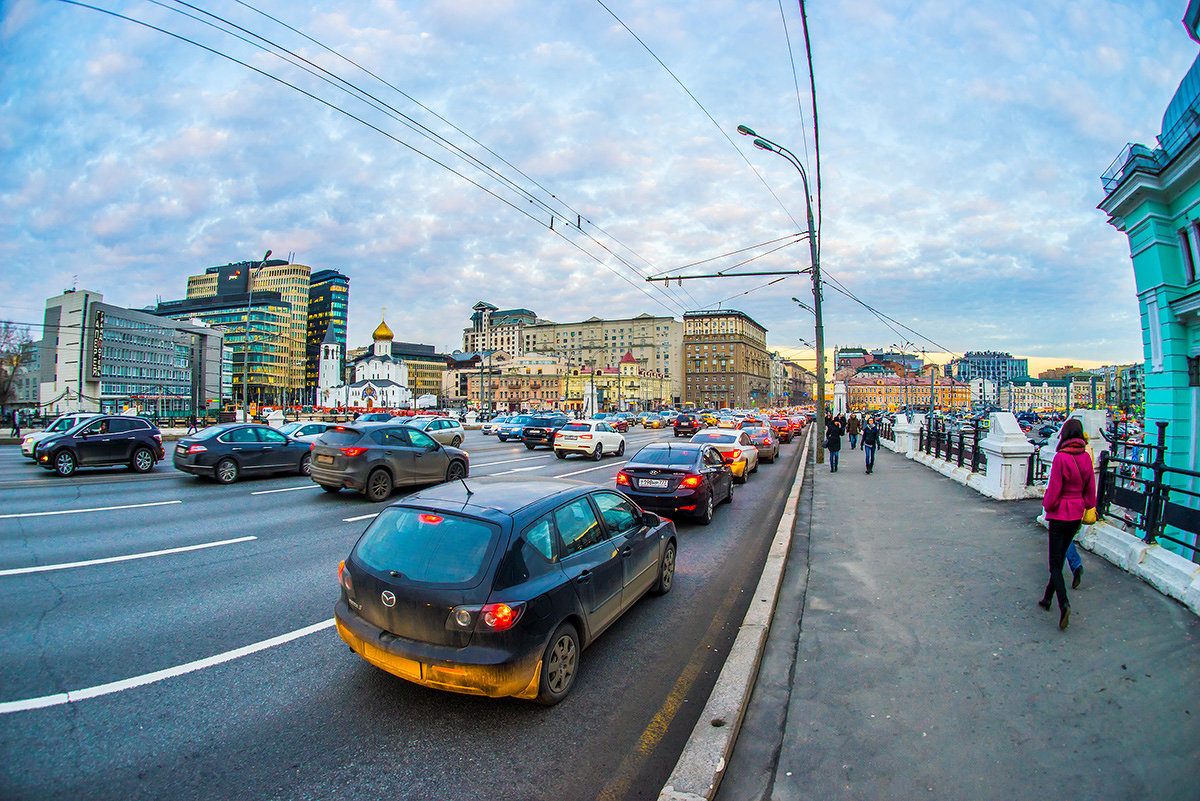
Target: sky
x,y
551,156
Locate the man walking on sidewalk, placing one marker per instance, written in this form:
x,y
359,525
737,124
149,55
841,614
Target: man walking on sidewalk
x,y
852,429
16,424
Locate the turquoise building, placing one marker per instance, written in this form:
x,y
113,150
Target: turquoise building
x,y
1152,194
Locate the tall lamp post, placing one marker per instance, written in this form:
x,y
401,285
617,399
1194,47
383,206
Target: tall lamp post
x,y
249,300
766,144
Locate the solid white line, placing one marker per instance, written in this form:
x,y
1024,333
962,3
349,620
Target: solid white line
x,y
71,696
360,517
510,461
287,489
95,509
590,469
17,571
518,470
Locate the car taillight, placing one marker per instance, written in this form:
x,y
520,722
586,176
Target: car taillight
x,y
623,479
489,617
731,456
691,482
158,438
344,578
352,452
585,436
196,449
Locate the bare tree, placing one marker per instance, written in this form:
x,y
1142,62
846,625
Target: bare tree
x,y
16,351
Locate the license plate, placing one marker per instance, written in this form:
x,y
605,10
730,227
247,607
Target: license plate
x,y
180,450
323,458
656,483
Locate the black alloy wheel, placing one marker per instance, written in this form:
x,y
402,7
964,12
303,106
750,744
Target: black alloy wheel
x,y
454,443
142,461
560,454
305,465
666,571
705,515
597,452
560,664
226,471
64,463
378,486
729,495
455,470
621,448
529,446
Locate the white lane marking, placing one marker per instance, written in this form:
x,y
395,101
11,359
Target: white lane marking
x,y
286,489
510,461
94,509
518,470
71,696
360,517
590,469
17,571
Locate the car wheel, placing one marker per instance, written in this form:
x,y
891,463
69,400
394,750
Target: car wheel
x,y
454,443
560,454
529,446
455,471
706,512
621,448
142,461
330,488
306,465
226,471
597,453
560,663
729,495
379,486
666,571
755,468
64,463
740,479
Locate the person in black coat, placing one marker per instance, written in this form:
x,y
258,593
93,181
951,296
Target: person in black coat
x,y
870,441
833,441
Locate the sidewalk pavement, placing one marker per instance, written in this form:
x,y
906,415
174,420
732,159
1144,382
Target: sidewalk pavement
x,y
908,659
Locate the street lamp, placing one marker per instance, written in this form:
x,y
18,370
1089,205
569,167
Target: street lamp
x,y
766,144
249,299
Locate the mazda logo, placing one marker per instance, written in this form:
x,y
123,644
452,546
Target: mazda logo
x,y
389,598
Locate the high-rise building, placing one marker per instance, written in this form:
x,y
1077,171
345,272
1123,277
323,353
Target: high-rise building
x,y
725,358
328,301
995,367
497,329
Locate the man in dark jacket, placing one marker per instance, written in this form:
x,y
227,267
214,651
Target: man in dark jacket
x,y
852,428
870,440
833,441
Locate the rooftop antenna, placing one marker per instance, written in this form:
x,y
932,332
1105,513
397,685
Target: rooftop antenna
x,y
468,489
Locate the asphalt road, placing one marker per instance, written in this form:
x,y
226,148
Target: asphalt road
x,y
306,718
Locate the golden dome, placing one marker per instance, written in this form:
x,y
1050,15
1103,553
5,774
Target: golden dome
x,y
382,332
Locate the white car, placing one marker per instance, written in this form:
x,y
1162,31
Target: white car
x,y
491,426
305,431
592,438
60,424
443,429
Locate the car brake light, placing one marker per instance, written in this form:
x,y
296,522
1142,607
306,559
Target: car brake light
x,y
585,436
433,520
489,617
353,451
196,449
623,479
344,578
691,482
339,428
157,437
731,457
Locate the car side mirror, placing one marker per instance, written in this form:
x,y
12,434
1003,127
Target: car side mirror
x,y
650,520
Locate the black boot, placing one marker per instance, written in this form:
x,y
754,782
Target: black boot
x,y
1078,578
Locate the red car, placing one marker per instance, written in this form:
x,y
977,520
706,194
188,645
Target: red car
x,y
782,428
615,420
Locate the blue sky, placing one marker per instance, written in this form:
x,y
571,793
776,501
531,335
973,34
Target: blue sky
x,y
961,148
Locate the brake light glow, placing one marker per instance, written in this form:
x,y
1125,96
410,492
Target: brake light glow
x,y
731,456
344,578
499,617
691,482
353,451
622,479
585,436
196,449
432,520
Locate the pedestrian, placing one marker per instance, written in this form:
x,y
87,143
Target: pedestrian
x,y
870,441
852,428
192,426
16,424
833,442
1070,492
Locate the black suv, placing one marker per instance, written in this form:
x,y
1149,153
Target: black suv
x,y
687,424
540,430
110,439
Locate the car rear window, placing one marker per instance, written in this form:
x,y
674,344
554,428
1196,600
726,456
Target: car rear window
x,y
339,436
667,457
427,547
714,437
577,427
520,418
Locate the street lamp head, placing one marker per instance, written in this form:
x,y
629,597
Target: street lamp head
x,y
761,145
266,255
745,131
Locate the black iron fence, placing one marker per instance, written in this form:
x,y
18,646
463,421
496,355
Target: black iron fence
x,y
887,431
1136,486
961,447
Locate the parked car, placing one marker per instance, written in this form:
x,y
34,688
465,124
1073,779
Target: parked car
x,y
592,438
305,431
736,449
443,429
1048,430
376,458
59,425
672,478
103,440
687,424
494,588
511,428
541,429
228,451
373,417
493,425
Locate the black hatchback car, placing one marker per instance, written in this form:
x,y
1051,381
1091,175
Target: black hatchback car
x,y
493,587
229,450
540,430
110,439
687,424
671,478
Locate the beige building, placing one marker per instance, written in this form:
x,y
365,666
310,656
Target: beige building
x,y
497,329
726,360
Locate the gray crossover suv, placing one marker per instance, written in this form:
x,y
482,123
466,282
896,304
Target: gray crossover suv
x,y
375,458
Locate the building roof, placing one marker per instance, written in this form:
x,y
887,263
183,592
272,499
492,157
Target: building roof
x,y
628,358
382,332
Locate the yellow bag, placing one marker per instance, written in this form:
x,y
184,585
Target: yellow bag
x,y
1089,516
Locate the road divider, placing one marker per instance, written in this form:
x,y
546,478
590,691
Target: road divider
x,y
17,571
93,509
73,696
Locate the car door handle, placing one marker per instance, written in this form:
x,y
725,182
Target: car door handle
x,y
584,577
627,550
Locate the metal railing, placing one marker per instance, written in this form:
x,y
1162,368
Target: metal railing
x,y
1138,482
959,447
887,431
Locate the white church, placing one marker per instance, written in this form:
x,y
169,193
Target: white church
x,y
380,379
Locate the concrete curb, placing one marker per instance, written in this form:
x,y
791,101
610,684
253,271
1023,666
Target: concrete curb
x,y
698,772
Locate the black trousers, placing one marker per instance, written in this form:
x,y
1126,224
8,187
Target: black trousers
x,y
1061,534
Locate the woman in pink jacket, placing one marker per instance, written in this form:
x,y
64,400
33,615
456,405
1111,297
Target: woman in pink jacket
x,y
1072,489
